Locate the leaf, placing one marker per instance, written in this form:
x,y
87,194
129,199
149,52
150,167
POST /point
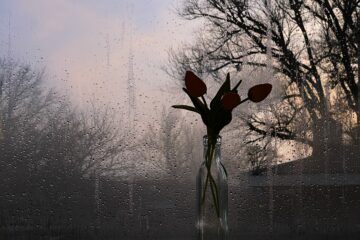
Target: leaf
x,y
200,107
236,86
221,118
223,89
189,108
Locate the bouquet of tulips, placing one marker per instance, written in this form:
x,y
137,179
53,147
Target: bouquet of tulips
x,y
218,114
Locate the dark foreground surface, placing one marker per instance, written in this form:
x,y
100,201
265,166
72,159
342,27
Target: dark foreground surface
x,y
83,234
311,209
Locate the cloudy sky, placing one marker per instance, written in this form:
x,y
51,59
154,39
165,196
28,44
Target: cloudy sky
x,y
84,45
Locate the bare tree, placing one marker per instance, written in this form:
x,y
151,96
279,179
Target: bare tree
x,y
173,147
257,160
85,140
300,36
43,135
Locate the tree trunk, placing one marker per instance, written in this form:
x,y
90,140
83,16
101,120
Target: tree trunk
x,y
327,147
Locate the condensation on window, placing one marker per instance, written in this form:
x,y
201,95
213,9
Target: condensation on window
x,y
91,147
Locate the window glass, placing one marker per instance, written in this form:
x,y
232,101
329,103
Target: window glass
x,y
91,147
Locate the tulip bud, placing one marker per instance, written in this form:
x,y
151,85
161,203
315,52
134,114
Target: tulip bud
x,y
259,92
195,86
230,100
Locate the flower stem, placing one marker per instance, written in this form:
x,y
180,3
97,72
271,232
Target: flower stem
x,y
214,190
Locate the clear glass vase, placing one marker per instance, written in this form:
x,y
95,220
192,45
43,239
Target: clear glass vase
x,y
212,194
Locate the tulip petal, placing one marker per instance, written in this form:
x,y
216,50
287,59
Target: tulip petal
x,y
230,100
259,92
195,86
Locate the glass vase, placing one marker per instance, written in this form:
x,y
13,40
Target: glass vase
x,y
212,194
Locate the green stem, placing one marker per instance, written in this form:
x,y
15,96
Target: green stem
x,y
208,167
203,194
214,193
244,100
213,189
209,177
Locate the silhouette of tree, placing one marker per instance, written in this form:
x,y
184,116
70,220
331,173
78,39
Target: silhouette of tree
x,y
313,47
257,160
49,149
172,146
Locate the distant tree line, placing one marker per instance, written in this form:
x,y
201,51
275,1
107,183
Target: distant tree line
x,y
50,151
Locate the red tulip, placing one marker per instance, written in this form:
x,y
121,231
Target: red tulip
x,y
230,100
259,92
195,86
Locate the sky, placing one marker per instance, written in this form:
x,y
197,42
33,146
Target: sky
x,y
84,46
